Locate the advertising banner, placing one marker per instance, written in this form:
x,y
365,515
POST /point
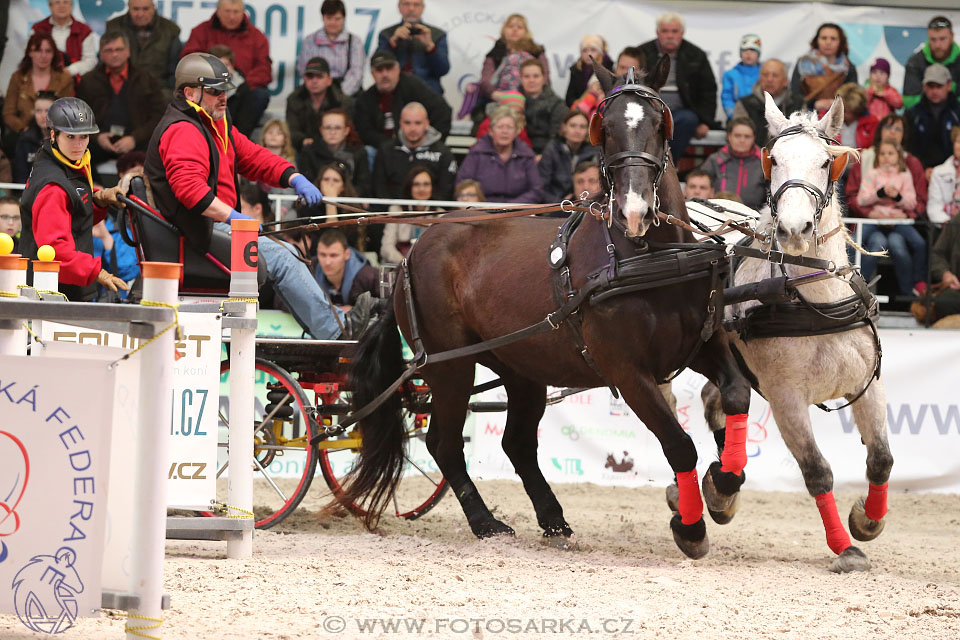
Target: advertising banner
x,y
55,429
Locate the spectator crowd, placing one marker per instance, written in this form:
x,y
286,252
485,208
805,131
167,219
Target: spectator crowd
x,y
531,142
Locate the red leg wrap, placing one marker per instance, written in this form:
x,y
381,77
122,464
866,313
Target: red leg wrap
x,y
876,505
691,506
837,538
734,456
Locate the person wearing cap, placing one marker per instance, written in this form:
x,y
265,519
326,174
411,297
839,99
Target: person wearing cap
x,y
230,26
421,49
125,99
343,51
939,48
691,88
193,161
60,206
308,102
738,82
882,99
377,110
932,118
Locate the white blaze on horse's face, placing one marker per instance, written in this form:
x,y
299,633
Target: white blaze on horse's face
x,y
634,210
632,115
800,157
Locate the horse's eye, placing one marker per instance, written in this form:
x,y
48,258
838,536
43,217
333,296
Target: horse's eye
x,y
773,161
826,163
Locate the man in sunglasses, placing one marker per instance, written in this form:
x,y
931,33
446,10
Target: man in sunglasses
x,y
939,48
193,160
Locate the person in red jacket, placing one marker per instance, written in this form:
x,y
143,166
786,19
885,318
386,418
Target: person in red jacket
x,y
192,162
74,38
59,205
230,26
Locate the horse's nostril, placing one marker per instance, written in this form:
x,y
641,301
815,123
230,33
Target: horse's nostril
x,y
808,228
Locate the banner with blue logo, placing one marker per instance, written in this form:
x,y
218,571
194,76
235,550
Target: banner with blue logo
x,y
55,422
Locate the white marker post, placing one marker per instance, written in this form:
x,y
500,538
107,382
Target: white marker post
x,y
160,282
244,258
11,340
22,265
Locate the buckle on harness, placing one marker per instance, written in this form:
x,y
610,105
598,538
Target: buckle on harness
x,y
553,325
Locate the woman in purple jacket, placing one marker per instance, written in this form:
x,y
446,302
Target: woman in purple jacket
x,y
507,171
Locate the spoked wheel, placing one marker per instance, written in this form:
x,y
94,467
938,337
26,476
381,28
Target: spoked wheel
x,y
422,486
283,460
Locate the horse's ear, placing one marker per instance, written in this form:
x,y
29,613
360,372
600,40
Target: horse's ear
x,y
596,128
660,73
606,78
832,121
776,122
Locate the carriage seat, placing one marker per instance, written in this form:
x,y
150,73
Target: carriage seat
x,y
158,240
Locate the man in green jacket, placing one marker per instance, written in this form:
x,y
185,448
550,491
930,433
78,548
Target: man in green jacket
x,y
154,41
939,48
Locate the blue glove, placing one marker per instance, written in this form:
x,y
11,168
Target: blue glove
x,y
306,190
236,215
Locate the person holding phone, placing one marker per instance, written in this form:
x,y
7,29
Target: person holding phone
x,y
420,48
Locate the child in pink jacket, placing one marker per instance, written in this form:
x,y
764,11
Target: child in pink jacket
x,y
882,99
886,190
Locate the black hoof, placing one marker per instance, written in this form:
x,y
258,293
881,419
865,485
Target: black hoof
x,y
491,528
721,493
852,559
691,538
673,497
561,529
863,528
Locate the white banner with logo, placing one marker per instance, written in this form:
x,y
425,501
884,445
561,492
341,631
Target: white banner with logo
x,y
54,441
785,29
193,427
592,437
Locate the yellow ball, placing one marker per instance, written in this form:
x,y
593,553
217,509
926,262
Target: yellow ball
x,y
6,244
46,253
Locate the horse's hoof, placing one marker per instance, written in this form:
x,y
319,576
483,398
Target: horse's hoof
x,y
492,528
852,559
721,505
559,530
673,497
861,527
562,542
691,538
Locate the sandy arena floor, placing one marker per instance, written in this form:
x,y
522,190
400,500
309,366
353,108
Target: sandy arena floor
x,y
765,577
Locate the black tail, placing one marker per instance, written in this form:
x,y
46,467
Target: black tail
x,y
378,362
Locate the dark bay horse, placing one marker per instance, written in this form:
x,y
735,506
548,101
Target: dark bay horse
x,y
476,281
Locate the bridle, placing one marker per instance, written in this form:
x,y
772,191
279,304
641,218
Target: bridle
x,y
630,158
821,197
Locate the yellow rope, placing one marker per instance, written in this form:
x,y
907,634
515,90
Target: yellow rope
x,y
9,294
244,514
140,629
175,323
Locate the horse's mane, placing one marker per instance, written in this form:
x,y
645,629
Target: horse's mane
x,y
808,120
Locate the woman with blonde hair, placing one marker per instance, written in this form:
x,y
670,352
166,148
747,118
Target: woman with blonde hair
x,y
592,46
276,138
859,124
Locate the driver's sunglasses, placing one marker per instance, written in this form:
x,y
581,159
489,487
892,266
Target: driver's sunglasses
x,y
216,93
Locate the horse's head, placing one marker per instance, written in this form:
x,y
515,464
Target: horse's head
x,y
803,161
631,127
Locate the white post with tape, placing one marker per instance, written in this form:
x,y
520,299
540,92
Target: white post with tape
x,y
160,282
46,277
244,259
11,340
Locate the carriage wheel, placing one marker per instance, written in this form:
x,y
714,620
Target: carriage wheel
x,y
284,462
421,478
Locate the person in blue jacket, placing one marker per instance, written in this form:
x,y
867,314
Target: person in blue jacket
x,y
738,82
343,273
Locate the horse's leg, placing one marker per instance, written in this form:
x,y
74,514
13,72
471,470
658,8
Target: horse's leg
x,y
649,405
450,387
791,413
866,519
526,402
715,418
722,481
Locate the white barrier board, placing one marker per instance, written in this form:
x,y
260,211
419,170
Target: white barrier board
x,y
55,424
592,437
193,426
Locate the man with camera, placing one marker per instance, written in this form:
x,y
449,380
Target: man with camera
x,y
420,48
